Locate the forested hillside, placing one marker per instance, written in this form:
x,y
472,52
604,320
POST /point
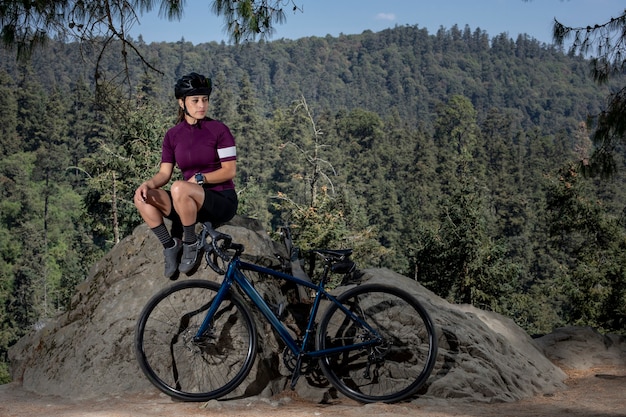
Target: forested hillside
x,y
454,158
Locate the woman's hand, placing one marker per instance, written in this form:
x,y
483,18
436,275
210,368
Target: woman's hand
x,y
141,194
157,181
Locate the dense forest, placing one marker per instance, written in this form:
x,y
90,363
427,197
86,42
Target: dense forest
x,y
454,158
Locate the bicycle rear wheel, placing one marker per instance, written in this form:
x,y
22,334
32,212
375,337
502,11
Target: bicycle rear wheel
x,y
398,364
187,367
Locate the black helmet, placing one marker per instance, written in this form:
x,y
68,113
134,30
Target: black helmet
x,y
193,85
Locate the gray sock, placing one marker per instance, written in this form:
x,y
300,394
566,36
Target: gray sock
x,y
163,235
189,234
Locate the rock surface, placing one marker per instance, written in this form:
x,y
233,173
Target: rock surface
x,y
580,348
88,351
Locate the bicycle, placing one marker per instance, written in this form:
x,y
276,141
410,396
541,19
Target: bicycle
x,y
197,339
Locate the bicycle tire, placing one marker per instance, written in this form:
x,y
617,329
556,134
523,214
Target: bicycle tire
x,y
182,366
392,370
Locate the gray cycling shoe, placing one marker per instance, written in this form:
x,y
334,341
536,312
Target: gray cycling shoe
x,y
172,256
190,257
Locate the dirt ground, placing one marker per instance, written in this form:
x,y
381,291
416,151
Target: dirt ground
x,y
598,392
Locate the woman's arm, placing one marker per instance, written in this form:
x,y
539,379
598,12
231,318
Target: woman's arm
x,y
158,180
225,173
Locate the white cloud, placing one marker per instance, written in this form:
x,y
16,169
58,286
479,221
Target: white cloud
x,y
386,16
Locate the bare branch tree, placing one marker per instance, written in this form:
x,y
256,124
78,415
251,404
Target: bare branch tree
x,y
605,44
247,19
312,156
26,25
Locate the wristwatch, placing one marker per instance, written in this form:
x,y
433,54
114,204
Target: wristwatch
x,y
199,178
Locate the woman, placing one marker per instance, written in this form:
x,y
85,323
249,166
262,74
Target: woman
x,y
204,150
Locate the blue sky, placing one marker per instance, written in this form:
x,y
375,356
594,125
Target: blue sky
x,y
326,17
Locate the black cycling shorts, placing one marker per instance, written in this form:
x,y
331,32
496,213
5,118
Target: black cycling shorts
x,y
218,207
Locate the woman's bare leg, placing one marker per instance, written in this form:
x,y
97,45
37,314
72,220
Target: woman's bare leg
x,y
188,198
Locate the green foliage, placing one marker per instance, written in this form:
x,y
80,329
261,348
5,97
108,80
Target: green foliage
x,y
247,19
604,44
129,154
5,377
592,246
434,155
8,113
320,214
462,261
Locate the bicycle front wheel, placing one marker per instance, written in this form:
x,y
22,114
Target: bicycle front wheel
x,y
402,356
183,364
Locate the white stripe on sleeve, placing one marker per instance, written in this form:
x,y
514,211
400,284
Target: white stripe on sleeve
x,y
227,152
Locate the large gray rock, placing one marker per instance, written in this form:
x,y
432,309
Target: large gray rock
x,y
483,356
88,351
583,348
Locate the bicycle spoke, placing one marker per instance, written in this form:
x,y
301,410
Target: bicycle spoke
x,y
184,365
403,347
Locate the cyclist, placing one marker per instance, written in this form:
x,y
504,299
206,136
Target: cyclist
x,y
204,150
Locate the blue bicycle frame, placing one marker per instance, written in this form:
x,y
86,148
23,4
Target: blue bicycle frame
x,y
234,275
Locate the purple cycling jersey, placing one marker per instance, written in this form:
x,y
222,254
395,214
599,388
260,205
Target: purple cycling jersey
x,y
200,148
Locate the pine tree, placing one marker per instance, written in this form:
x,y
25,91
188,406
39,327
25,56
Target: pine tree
x,y
8,115
461,261
591,253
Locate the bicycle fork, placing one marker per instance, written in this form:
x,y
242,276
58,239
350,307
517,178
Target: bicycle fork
x,y
215,304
